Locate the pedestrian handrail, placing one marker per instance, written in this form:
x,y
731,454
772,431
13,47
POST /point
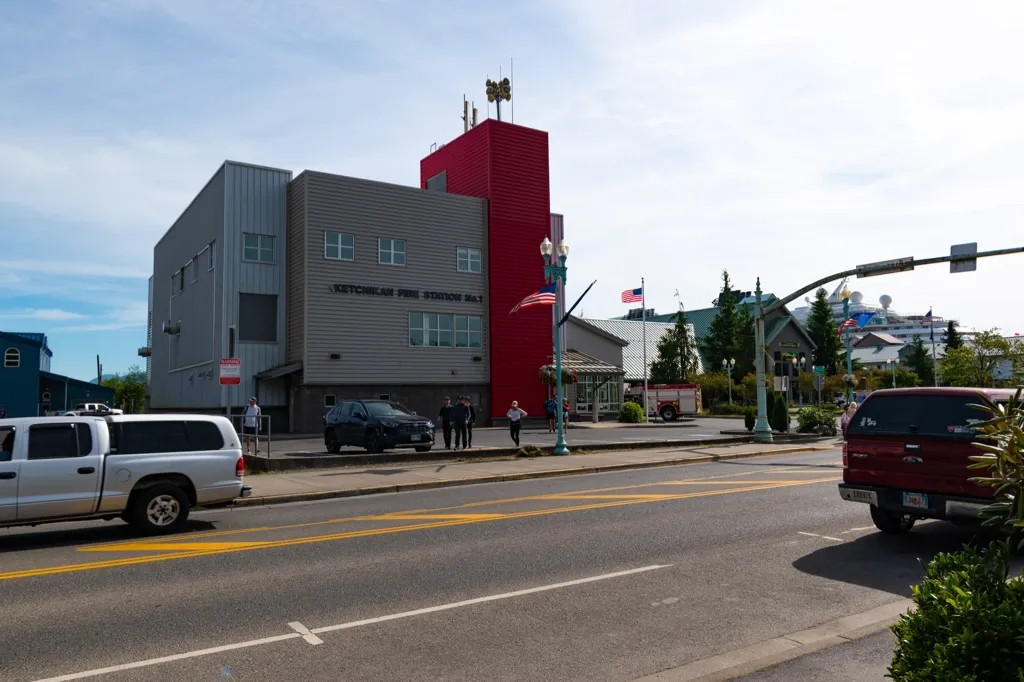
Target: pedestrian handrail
x,y
264,433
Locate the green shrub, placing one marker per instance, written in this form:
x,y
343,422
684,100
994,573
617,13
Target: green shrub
x,y
727,409
816,420
530,451
779,415
631,413
968,621
750,418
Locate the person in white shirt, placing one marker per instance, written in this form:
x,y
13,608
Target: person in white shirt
x,y
515,421
251,425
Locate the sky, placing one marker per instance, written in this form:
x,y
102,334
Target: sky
x,y
783,140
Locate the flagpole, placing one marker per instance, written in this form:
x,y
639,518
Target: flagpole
x,y
935,367
643,316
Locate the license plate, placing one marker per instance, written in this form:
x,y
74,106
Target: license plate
x,y
415,437
861,496
915,500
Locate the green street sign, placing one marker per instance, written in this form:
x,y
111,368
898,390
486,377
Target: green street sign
x,y
819,370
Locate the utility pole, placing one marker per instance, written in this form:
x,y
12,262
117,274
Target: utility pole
x,y
962,258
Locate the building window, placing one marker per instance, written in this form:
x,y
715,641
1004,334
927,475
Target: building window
x,y
181,279
212,255
391,251
330,400
174,283
257,318
339,246
12,358
383,396
608,390
468,260
193,265
469,331
430,330
258,248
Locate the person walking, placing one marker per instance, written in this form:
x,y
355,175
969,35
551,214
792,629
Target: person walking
x,y
251,425
515,421
445,415
460,416
470,422
551,412
848,417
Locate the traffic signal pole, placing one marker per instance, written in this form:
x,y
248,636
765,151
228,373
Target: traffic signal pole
x,y
962,258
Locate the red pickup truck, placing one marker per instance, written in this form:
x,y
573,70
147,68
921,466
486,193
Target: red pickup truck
x,y
906,455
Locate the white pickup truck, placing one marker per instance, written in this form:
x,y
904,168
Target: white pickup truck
x,y
148,470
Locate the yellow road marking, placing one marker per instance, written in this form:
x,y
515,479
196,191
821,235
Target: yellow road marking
x,y
175,546
310,524
570,496
416,517
242,547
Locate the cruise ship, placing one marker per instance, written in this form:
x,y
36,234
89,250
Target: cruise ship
x,y
885,319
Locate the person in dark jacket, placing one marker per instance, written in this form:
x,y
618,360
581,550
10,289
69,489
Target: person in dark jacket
x,y
470,422
445,415
460,417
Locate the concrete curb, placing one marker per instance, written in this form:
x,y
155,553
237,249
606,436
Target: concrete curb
x,y
501,478
750,659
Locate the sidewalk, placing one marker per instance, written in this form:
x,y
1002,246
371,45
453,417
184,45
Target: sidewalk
x,y
351,482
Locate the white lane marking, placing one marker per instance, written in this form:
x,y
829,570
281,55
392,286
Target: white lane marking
x,y
823,537
170,659
306,634
857,530
344,626
482,600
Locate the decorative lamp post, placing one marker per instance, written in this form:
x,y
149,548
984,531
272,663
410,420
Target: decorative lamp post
x,y
893,363
729,365
556,273
848,378
799,365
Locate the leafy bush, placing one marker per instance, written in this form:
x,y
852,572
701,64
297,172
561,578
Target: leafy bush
x,y
1001,438
968,621
714,386
750,418
779,415
631,413
530,451
817,420
727,409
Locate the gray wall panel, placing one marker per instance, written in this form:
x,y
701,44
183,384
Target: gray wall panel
x,y
184,367
585,340
295,322
256,202
371,332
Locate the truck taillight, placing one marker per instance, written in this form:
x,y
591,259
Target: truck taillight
x,y
240,466
846,462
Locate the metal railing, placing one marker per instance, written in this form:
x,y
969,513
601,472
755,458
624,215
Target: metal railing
x,y
263,434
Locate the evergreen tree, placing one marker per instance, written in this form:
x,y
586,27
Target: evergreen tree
x,y
677,358
721,340
746,342
821,327
920,362
953,338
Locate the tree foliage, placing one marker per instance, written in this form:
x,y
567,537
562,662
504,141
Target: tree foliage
x,y
821,327
746,344
953,339
722,340
676,361
919,361
129,389
975,364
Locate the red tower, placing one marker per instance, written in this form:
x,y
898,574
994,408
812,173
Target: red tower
x,y
507,164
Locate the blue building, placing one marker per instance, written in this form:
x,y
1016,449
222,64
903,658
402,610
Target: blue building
x,y
27,386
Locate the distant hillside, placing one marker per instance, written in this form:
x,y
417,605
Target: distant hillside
x,y
105,377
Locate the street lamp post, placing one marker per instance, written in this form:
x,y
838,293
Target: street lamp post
x,y
799,365
556,273
848,379
762,431
893,363
729,364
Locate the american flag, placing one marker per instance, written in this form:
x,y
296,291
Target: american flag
x,y
633,295
849,324
543,296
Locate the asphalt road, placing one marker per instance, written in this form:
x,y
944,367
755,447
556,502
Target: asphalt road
x,y
709,428
863,660
606,577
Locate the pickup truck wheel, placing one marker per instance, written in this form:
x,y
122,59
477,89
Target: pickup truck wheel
x,y
159,509
895,523
668,413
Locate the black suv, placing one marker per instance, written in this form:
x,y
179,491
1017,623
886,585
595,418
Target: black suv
x,y
376,425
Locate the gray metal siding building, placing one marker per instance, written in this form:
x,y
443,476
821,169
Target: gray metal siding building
x,y
218,291
387,294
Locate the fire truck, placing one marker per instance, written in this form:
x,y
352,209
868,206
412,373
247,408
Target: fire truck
x,y
671,400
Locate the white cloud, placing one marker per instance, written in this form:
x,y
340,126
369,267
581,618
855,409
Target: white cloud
x,y
131,316
49,314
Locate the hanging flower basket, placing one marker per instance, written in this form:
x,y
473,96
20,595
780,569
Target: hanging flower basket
x,y
849,380
548,376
